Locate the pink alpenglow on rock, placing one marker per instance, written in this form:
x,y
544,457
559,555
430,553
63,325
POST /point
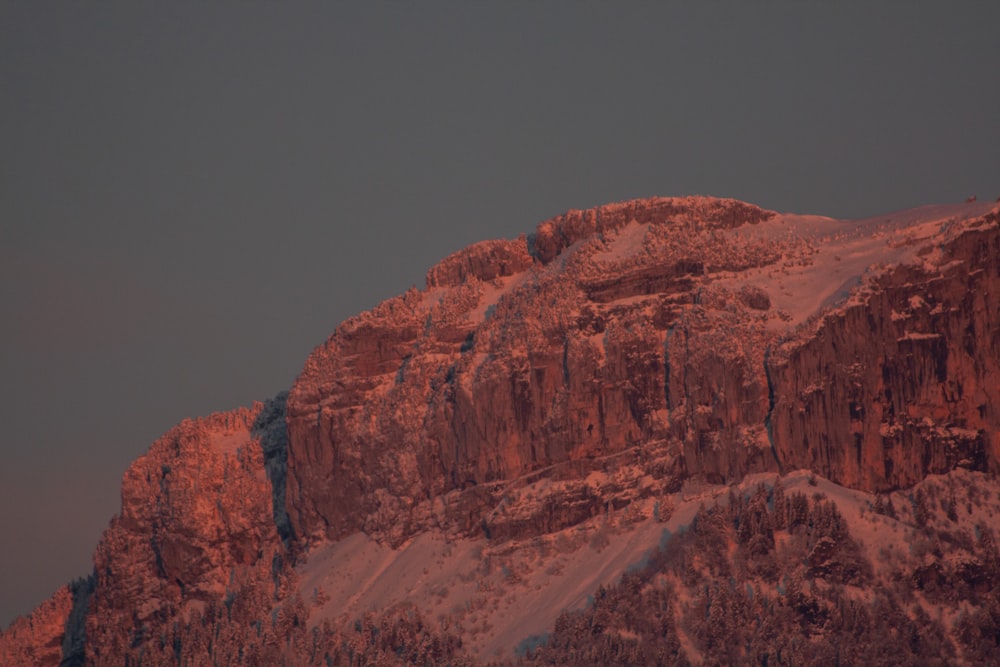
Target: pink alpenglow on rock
x,y
468,467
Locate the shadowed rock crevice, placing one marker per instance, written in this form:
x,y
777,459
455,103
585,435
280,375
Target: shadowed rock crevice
x,y
75,639
271,429
768,423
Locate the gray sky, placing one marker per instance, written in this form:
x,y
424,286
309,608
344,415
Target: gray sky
x,y
191,197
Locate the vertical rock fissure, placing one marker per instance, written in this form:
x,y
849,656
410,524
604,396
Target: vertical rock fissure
x,y
768,425
565,362
75,637
666,366
271,429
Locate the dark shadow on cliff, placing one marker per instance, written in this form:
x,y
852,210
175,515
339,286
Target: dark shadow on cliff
x,y
771,399
270,428
74,639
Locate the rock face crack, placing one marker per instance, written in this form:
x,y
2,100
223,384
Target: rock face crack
x,y
75,639
770,409
271,429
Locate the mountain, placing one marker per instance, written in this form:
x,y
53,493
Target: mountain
x,y
664,431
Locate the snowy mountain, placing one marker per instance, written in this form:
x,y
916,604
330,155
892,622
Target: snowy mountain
x,y
664,431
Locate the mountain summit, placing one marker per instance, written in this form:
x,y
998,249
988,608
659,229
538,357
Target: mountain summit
x,y
655,393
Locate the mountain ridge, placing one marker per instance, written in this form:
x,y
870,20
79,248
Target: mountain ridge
x,y
602,364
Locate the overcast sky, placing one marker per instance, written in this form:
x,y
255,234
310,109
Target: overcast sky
x,y
192,197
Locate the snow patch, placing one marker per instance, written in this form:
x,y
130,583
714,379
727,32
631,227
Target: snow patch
x,y
626,242
837,256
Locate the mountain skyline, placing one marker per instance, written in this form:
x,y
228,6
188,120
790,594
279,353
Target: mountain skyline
x,y
628,408
192,198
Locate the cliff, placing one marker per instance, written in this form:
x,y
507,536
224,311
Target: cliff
x,y
672,337
902,381
579,376
197,514
37,639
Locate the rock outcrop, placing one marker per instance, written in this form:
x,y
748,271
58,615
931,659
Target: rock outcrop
x,y
197,510
37,639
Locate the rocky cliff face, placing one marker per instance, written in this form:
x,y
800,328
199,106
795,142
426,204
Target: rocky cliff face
x,y
609,357
197,512
549,352
37,639
902,381
672,337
